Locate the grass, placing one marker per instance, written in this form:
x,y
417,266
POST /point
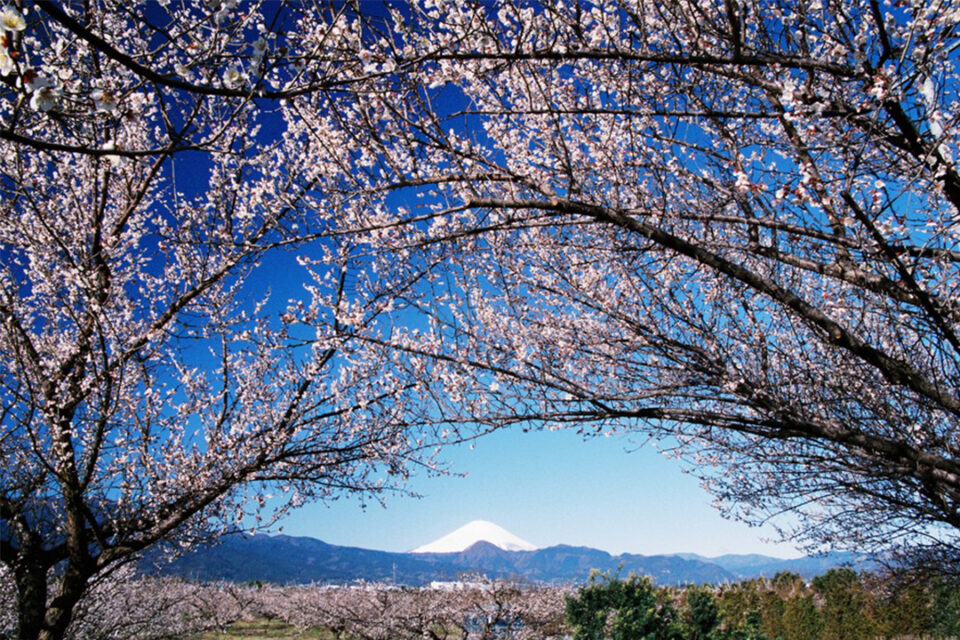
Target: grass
x,y
266,630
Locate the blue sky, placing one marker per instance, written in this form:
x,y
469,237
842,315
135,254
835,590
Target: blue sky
x,y
548,488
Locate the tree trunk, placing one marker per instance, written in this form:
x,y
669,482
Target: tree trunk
x,y
60,611
31,581
37,618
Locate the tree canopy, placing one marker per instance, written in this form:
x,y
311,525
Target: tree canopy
x,y
729,227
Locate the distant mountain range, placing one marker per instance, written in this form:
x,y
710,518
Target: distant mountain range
x,y
285,560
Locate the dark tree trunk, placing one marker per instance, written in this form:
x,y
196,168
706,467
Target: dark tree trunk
x,y
38,616
31,581
60,611
58,617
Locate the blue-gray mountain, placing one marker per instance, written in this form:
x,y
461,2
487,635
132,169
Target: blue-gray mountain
x,y
285,560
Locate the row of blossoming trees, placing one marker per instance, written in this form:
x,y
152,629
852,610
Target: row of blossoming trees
x,y
258,253
839,605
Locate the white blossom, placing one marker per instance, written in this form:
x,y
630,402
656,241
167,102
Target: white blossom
x,y
11,21
7,65
233,77
44,97
105,101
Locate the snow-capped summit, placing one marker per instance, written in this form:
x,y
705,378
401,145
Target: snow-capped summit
x,y
473,532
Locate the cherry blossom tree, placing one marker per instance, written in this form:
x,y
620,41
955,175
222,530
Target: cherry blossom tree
x,y
729,227
170,172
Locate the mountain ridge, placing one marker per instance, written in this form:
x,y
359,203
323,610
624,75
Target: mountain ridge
x,y
287,559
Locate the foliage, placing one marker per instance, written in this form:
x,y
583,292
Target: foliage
x,y
902,606
945,608
742,610
801,619
701,613
620,610
843,607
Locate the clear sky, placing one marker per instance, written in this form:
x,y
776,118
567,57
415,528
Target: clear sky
x,y
548,488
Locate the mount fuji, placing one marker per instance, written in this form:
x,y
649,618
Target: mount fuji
x,y
472,533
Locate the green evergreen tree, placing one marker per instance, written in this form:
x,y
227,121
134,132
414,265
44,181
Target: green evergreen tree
x,y
741,607
587,611
843,608
945,608
702,613
771,623
634,607
905,611
613,609
801,619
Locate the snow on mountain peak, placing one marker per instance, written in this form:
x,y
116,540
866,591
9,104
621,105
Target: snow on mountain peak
x,y
473,532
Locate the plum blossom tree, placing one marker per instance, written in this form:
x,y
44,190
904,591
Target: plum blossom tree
x,y
159,163
123,605
728,226
480,609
